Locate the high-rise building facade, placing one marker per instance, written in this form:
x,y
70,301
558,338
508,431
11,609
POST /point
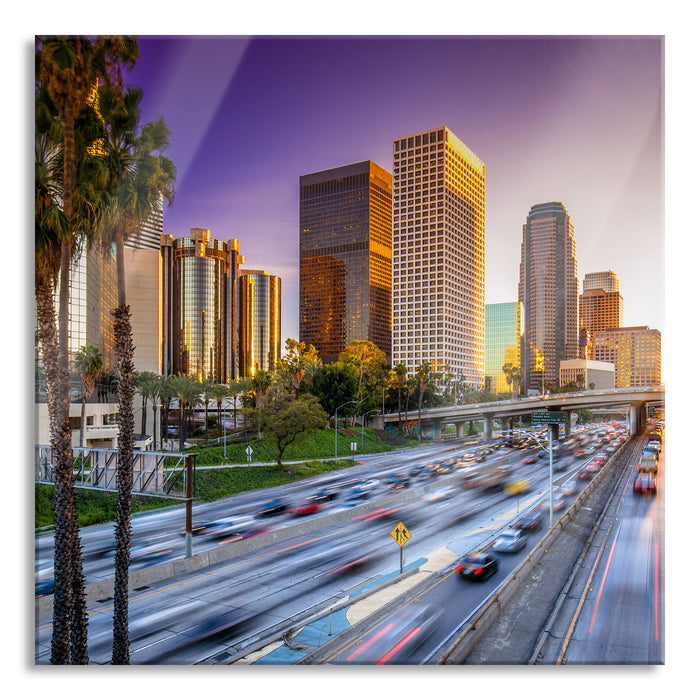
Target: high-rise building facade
x,y
600,307
345,258
635,351
548,290
503,339
438,277
606,280
259,321
199,282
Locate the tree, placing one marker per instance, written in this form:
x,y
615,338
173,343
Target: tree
x,y
508,371
165,390
400,370
206,388
187,392
282,418
143,383
88,363
518,378
220,392
139,177
368,359
334,385
67,69
580,381
297,365
240,387
423,374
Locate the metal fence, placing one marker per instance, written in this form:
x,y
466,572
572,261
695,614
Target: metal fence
x,y
154,473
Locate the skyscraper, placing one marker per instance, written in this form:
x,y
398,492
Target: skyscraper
x,y
438,280
199,304
607,281
635,351
503,333
548,290
345,258
259,321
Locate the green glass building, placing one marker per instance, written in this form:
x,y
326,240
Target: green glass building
x,y
503,336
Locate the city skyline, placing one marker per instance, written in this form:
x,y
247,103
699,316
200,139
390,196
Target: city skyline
x,y
571,119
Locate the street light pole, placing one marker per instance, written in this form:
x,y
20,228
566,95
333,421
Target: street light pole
x,y
374,410
335,427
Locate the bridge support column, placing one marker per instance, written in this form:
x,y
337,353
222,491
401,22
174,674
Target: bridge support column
x,y
488,428
459,427
567,426
437,429
635,419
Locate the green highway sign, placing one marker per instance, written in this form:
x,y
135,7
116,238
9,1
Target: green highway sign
x,y
548,417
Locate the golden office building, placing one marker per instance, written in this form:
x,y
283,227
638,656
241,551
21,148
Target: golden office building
x,y
599,308
259,321
345,258
438,277
199,281
548,290
635,351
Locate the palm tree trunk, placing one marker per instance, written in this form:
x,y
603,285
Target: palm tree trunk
x,y
82,423
125,442
155,434
124,352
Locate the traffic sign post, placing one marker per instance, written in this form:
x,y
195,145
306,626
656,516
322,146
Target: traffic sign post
x,y
401,535
249,452
549,417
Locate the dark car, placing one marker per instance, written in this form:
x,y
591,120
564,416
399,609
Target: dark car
x,y
271,508
645,483
478,566
529,523
398,481
323,495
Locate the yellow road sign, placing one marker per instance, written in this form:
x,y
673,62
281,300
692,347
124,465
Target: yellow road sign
x,y
401,534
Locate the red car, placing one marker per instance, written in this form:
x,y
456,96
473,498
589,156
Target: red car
x,y
585,475
644,484
306,507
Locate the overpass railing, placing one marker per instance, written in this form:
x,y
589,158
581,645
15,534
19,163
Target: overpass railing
x,y
154,473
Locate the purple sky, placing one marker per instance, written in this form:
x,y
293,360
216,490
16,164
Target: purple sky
x,y
576,120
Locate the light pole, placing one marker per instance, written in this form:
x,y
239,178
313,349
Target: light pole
x,y
335,427
374,410
550,429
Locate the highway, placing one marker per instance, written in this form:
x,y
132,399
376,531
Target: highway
x,y
237,605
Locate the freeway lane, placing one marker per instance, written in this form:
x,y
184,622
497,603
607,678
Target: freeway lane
x,y
620,616
191,617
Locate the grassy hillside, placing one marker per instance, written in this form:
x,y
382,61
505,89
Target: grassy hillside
x,y
95,507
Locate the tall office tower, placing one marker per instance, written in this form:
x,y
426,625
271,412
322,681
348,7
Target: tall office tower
x,y
438,281
503,338
149,235
599,307
548,290
345,258
607,281
636,353
259,321
200,277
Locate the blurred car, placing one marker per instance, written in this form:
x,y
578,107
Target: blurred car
x,y
398,481
274,507
645,483
236,526
305,507
325,494
569,489
529,523
400,633
585,474
509,541
518,486
529,460
477,566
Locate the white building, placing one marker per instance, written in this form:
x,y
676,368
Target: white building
x,y
438,255
600,374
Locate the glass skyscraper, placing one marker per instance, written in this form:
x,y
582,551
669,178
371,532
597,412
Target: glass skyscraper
x,y
199,292
259,321
548,291
438,276
345,258
503,331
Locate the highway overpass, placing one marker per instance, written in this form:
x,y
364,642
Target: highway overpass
x,y
632,401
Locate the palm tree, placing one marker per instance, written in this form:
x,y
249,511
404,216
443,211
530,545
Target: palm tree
x,y
423,377
67,69
206,387
507,369
88,363
188,393
242,385
143,382
517,377
139,177
165,394
219,392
